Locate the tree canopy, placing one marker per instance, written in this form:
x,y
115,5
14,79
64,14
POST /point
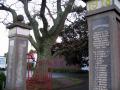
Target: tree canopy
x,y
74,44
47,20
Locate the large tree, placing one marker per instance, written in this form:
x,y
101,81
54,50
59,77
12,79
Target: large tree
x,y
45,34
74,45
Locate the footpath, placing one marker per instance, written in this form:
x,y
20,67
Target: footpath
x,y
71,82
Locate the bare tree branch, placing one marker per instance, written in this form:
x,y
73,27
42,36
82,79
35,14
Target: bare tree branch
x,y
69,21
32,41
33,22
25,3
56,29
35,15
12,11
42,12
68,8
5,19
50,14
13,3
59,10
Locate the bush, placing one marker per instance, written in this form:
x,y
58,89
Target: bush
x,y
2,76
1,85
2,80
2,69
67,70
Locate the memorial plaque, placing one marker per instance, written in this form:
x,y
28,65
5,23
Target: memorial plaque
x,y
101,54
17,65
103,18
118,26
16,70
10,64
21,65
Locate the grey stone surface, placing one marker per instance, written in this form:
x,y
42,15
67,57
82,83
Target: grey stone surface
x,y
101,53
104,50
16,70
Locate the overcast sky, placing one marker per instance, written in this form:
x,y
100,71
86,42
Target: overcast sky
x,y
4,36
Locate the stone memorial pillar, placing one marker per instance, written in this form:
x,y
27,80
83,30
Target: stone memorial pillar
x,y
18,44
104,44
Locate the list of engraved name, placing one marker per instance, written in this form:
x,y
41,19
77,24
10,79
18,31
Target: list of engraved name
x,y
101,54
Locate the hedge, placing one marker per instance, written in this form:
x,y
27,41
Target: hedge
x,y
67,70
2,80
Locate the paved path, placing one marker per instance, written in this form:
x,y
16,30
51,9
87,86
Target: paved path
x,y
82,86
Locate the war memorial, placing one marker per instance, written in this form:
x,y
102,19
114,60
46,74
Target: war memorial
x,y
104,48
18,45
104,44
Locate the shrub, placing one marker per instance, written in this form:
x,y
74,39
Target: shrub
x,y
67,70
2,80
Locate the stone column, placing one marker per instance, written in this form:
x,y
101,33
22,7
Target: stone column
x,y
104,44
18,44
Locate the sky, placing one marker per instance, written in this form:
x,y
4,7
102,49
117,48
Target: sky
x,y
3,40
4,36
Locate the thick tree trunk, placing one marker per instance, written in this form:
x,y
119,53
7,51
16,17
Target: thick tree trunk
x,y
43,58
41,69
41,74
